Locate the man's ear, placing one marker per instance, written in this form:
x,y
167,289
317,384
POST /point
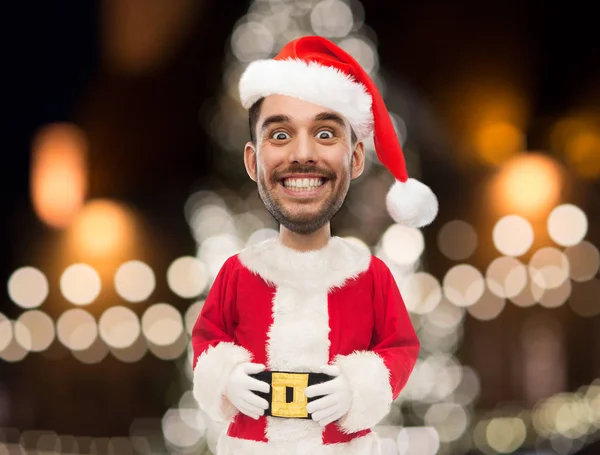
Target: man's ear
x,y
358,160
250,160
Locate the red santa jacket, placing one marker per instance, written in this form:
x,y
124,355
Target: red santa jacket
x,y
297,311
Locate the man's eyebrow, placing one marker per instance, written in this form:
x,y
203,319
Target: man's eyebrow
x,y
274,119
330,116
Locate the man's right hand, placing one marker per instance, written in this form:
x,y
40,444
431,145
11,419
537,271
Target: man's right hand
x,y
239,390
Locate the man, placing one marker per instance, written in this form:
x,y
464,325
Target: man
x,y
304,340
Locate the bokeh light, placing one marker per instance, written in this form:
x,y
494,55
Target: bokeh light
x,y
80,284
506,277
119,327
187,277
331,18
421,293
402,245
6,332
512,235
505,434
497,142
191,315
549,268
34,330
579,140
584,261
76,329
449,419
134,281
252,41
529,184
425,440
457,240
162,324
103,228
463,285
567,225
58,173
488,307
28,287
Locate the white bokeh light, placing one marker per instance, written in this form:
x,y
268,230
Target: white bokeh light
x,y
260,235
513,235
34,330
362,51
449,419
463,285
80,284
6,332
506,277
421,293
567,225
178,432
332,19
76,329
119,327
187,277
252,41
402,245
421,440
549,268
191,315
162,324
215,250
28,287
488,307
134,281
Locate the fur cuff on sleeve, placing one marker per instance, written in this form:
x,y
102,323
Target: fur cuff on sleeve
x,y
371,390
211,374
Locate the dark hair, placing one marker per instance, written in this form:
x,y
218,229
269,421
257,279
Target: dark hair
x,y
254,113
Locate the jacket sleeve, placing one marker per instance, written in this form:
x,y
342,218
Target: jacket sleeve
x,y
377,376
215,353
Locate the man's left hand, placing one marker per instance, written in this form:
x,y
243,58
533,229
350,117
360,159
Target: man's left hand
x,y
337,398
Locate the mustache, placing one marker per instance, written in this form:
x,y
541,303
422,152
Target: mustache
x,y
303,169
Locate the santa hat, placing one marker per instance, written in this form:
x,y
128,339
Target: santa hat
x,y
314,69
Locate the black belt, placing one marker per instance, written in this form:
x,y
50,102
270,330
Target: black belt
x,y
286,396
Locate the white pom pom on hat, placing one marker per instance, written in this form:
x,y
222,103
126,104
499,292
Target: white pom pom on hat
x,y
314,69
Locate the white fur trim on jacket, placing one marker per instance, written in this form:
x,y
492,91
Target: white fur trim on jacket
x,y
309,81
309,271
365,445
371,390
210,379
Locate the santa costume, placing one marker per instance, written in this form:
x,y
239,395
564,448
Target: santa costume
x,y
296,311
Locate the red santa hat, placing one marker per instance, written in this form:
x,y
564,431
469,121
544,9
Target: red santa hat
x,y
314,69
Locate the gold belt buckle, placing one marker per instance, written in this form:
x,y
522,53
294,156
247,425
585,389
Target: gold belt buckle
x,y
297,407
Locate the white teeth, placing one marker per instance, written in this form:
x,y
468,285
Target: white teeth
x,y
302,184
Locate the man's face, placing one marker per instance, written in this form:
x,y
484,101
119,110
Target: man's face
x,y
303,162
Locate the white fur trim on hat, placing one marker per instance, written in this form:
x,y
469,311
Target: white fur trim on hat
x,y
310,81
411,203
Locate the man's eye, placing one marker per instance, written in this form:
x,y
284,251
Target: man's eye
x,y
325,135
280,136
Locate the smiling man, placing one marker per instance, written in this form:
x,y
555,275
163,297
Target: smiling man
x,y
304,340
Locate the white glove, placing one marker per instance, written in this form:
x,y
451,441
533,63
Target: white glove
x,y
239,387
337,399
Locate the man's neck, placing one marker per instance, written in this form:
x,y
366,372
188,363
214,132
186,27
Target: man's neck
x,y
305,242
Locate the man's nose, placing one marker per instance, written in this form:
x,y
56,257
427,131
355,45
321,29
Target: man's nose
x,y
304,150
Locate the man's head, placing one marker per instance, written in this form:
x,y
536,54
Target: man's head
x,y
320,73
303,157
